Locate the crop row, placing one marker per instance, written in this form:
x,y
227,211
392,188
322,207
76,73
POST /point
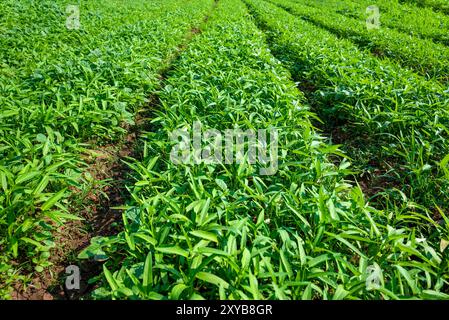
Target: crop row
x,y
226,231
64,92
406,114
410,19
423,55
437,5
401,118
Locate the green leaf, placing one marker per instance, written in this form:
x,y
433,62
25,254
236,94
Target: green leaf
x,y
204,235
177,291
148,272
42,185
26,177
53,200
146,238
4,181
286,264
435,295
112,283
307,294
408,279
173,250
246,259
340,293
213,279
33,242
58,215
221,184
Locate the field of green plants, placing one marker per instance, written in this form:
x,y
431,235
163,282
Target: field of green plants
x,y
356,208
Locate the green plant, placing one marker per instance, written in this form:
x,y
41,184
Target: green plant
x,y
65,91
408,18
422,55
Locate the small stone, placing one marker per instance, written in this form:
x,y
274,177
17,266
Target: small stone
x,y
47,296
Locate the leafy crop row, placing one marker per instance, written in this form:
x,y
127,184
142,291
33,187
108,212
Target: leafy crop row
x,y
410,19
402,118
405,114
437,5
62,92
423,55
